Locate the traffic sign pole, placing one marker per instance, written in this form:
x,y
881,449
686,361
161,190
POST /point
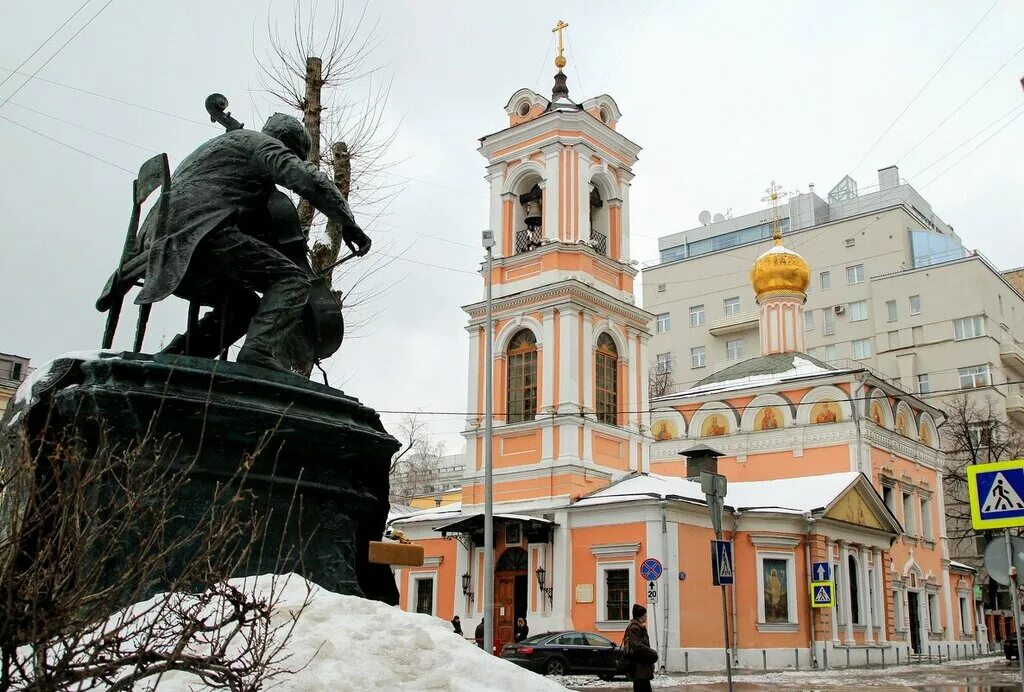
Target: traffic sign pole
x,y
1016,605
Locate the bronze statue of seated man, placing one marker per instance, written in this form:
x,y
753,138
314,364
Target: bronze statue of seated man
x,y
220,248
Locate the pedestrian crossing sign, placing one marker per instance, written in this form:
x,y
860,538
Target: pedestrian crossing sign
x,y
722,573
996,493
823,594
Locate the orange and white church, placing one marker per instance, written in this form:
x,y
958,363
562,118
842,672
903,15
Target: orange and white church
x,y
823,464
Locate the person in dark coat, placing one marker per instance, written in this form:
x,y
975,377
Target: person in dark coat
x,y
522,630
479,635
457,624
216,247
637,643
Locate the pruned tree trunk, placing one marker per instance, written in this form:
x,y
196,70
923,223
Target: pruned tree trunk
x,y
326,254
311,109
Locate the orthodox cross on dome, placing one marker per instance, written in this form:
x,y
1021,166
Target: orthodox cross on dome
x,y
560,58
774,194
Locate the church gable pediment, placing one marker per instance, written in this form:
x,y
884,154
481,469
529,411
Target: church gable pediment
x,y
861,507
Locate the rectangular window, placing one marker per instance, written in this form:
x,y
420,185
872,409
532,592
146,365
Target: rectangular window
x,y
969,327
812,351
915,305
825,279
698,357
831,353
617,594
663,323
890,311
965,615
887,497
933,612
855,274
926,518
425,596
828,322
894,339
980,434
922,384
664,362
16,371
974,376
731,306
861,348
909,520
858,311
776,591
809,320
696,315
734,349
606,381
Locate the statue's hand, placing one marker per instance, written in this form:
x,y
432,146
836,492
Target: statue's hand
x,y
357,241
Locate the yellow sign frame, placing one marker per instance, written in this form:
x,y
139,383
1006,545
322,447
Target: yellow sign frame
x,y
972,494
831,589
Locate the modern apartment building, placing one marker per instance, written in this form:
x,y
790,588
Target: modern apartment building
x,y
893,288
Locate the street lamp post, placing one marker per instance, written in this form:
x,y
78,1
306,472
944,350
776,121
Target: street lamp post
x,y
488,242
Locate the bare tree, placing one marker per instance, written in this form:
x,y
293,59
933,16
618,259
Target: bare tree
x,y
975,432
84,535
323,69
415,468
659,382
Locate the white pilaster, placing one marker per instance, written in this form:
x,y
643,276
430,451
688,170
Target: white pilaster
x,y
880,598
583,154
472,398
625,177
588,362
569,357
496,178
835,614
844,565
866,588
552,178
633,405
547,386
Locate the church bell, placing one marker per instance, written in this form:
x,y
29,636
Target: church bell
x,y
533,211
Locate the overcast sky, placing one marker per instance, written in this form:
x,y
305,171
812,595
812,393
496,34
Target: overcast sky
x,y
723,98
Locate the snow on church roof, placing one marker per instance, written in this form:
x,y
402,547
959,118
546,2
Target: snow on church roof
x,y
760,372
786,495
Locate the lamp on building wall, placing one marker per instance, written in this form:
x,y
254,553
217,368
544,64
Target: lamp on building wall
x,y
541,573
465,586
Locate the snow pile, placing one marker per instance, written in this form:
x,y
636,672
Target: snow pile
x,y
355,644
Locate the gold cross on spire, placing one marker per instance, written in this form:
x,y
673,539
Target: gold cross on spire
x,y
775,193
560,58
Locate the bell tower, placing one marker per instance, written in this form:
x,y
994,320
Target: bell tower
x,y
570,391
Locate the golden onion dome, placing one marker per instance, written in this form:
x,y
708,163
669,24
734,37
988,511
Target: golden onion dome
x,y
780,271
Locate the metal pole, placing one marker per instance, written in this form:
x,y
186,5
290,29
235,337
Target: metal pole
x,y
725,623
488,480
1016,605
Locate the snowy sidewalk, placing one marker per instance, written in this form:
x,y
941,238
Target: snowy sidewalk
x,y
990,673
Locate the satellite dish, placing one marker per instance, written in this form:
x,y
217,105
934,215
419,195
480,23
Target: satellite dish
x,y
718,217
704,217
995,558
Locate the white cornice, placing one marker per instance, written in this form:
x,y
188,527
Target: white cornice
x,y
770,541
615,549
626,150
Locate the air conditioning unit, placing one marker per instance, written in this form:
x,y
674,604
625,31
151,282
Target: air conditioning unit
x,y
839,309
661,288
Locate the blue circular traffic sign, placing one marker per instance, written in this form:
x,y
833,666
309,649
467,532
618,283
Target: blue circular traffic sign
x,y
651,569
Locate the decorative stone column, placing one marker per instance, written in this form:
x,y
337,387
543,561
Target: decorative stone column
x,y
881,597
865,580
844,565
833,611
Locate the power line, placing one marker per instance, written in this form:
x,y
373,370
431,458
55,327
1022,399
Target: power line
x,y
106,97
84,128
979,146
964,103
48,38
68,146
55,53
922,89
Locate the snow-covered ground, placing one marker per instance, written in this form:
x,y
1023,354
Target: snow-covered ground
x,y
992,670
367,645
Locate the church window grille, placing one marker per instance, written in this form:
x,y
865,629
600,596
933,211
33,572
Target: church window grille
x,y
522,377
617,588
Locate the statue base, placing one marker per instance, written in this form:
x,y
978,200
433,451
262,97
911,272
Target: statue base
x,y
320,445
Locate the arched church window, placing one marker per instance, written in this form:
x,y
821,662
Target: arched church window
x,y
854,589
529,237
607,379
598,222
522,377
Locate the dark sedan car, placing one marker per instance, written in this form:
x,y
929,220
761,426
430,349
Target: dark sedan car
x,y
560,653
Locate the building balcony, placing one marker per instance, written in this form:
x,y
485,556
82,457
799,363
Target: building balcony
x,y
736,322
1015,406
1012,355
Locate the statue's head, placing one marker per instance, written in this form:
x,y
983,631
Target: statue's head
x,y
290,132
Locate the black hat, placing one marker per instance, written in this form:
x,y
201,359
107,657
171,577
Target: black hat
x,y
638,611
